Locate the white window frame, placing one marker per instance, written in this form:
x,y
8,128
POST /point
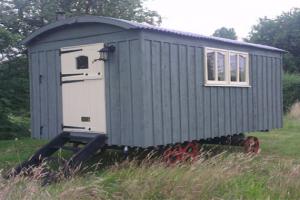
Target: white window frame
x,y
227,81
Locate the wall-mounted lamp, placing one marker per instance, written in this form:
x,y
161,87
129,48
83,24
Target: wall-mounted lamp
x,y
105,51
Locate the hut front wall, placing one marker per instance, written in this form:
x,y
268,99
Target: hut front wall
x,y
177,105
122,75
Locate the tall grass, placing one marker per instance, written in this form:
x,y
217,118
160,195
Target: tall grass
x,y
224,176
291,90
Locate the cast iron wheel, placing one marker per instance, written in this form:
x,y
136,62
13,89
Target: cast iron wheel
x,y
181,152
251,145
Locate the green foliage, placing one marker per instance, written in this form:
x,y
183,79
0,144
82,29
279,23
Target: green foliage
x,y
282,32
25,16
291,90
14,98
224,32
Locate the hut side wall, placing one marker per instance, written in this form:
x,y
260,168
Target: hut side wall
x,y
123,83
177,105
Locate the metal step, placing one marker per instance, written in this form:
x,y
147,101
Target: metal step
x,y
98,142
82,137
93,142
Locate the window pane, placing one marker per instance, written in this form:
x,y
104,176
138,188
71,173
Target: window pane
x,y
82,62
233,67
242,68
211,66
221,67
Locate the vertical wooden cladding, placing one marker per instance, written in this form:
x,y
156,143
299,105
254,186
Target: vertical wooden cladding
x,y
44,71
124,94
171,96
266,91
155,95
178,107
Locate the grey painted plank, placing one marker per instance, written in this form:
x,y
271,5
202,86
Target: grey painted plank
x,y
250,95
260,92
148,109
227,111
265,95
115,107
279,89
137,92
233,106
44,95
269,86
175,93
166,94
125,94
183,93
199,71
59,108
207,113
35,95
255,92
107,68
221,112
273,74
52,93
245,127
157,92
239,110
214,111
192,94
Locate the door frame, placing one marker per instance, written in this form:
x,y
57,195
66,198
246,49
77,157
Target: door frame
x,y
60,95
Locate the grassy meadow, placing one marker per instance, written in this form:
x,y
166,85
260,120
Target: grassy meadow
x,y
229,174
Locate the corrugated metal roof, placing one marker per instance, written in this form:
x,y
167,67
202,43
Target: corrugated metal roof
x,y
134,25
195,35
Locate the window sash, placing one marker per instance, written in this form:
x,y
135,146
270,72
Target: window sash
x,y
227,68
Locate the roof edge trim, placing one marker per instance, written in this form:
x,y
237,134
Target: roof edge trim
x,y
73,20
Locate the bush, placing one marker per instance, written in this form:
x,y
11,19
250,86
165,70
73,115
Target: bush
x,y
14,99
291,90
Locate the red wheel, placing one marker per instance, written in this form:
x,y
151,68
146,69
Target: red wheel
x,y
190,151
180,153
251,145
172,155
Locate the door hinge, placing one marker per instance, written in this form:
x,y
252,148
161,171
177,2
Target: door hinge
x,y
68,51
71,81
41,130
40,78
72,127
69,75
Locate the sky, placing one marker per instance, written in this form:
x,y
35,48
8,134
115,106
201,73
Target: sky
x,y
205,16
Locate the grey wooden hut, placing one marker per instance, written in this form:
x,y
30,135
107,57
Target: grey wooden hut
x,y
146,86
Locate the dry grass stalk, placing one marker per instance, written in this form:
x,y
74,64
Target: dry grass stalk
x,y
295,111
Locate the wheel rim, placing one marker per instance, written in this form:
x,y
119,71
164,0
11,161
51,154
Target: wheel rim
x,y
251,145
180,153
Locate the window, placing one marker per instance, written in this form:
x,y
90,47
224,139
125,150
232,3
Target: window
x,y
216,62
226,68
82,62
211,66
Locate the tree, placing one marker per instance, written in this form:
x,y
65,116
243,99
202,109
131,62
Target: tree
x,y
224,32
23,16
282,32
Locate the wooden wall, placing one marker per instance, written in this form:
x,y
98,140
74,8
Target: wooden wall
x,y
178,107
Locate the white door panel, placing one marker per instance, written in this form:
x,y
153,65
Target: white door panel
x,y
83,89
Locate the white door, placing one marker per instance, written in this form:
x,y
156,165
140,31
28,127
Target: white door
x,y
83,89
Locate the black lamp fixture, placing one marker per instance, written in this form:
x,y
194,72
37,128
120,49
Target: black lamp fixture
x,y
105,51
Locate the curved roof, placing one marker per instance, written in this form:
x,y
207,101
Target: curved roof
x,y
133,25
